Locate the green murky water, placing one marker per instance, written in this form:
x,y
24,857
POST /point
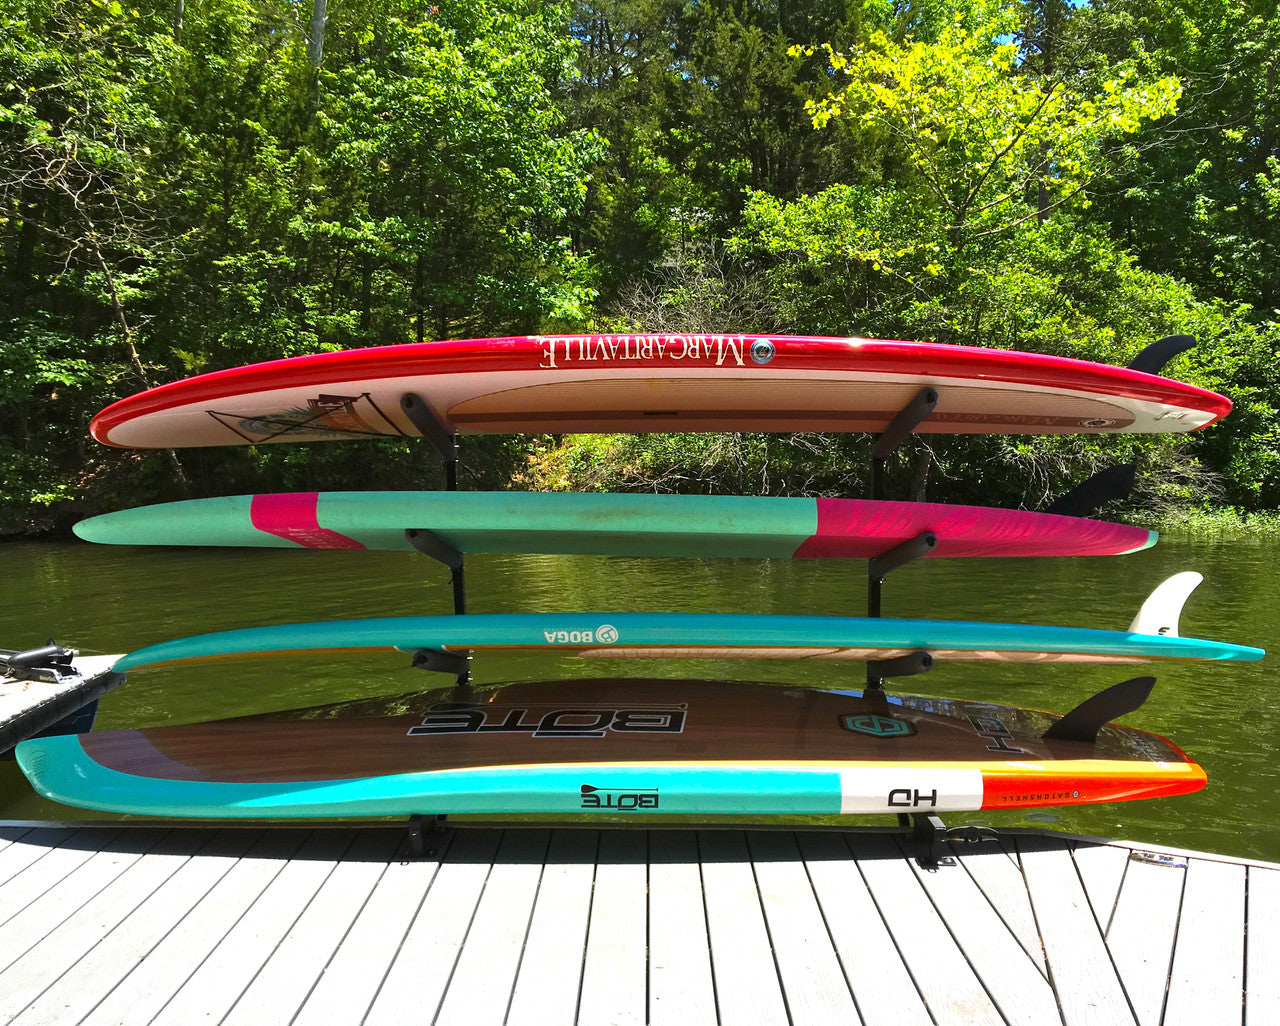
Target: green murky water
x,y
1227,716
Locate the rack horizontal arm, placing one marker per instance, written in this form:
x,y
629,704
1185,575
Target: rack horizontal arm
x,y
431,544
434,429
907,420
900,555
438,660
909,665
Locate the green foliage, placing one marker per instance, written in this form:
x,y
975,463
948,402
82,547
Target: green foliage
x,y
753,464
1030,174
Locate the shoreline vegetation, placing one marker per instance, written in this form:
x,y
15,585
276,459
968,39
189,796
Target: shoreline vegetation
x,y
727,464
188,188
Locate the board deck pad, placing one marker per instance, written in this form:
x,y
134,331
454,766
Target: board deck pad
x,y
652,383
608,747
610,524
695,635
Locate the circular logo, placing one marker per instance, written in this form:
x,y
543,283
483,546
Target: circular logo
x,y
1097,422
762,350
606,634
878,726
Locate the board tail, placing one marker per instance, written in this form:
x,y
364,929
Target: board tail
x,y
1160,613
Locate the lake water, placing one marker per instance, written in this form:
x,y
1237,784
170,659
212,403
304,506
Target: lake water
x,y
1226,715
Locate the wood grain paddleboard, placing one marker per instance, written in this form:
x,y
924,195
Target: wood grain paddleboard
x,y
608,747
603,524
696,635
648,383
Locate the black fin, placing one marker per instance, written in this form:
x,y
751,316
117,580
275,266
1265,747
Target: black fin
x,y
1105,486
1152,359
1084,721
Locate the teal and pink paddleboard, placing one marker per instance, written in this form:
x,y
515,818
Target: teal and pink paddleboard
x,y
630,525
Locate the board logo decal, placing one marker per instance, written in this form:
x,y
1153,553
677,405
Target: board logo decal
x,y
551,721
992,728
1041,798
912,798
324,417
762,351
874,725
708,350
619,799
605,634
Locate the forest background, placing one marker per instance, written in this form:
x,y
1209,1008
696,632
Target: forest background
x,y
187,185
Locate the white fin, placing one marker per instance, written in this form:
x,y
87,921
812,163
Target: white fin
x,y
1159,614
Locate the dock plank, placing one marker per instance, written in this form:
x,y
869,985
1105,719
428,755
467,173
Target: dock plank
x,y
51,870
28,848
1019,987
61,897
283,984
1000,880
748,990
1143,931
883,989
813,982
681,988
41,965
949,985
550,974
1206,983
352,978
615,965
1101,868
13,832
121,924
125,946
1262,994
240,955
1089,991
145,990
480,988
415,982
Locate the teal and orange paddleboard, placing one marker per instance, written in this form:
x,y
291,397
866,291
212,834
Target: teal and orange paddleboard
x,y
610,524
616,747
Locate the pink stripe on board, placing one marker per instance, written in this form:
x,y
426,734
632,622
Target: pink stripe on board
x,y
849,527
292,516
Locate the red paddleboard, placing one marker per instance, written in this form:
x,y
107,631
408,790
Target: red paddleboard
x,y
648,383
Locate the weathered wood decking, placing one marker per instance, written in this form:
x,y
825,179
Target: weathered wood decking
x,y
29,706
132,924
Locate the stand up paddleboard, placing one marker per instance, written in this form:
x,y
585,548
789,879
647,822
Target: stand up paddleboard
x,y
602,524
698,635
620,747
647,383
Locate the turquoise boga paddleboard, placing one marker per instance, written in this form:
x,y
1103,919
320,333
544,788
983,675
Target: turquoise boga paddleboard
x,y
700,635
604,524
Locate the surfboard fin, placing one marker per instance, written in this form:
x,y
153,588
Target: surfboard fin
x,y
1105,486
1152,359
1084,721
1160,613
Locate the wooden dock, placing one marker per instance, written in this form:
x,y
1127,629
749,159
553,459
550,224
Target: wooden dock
x,y
155,924
29,706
